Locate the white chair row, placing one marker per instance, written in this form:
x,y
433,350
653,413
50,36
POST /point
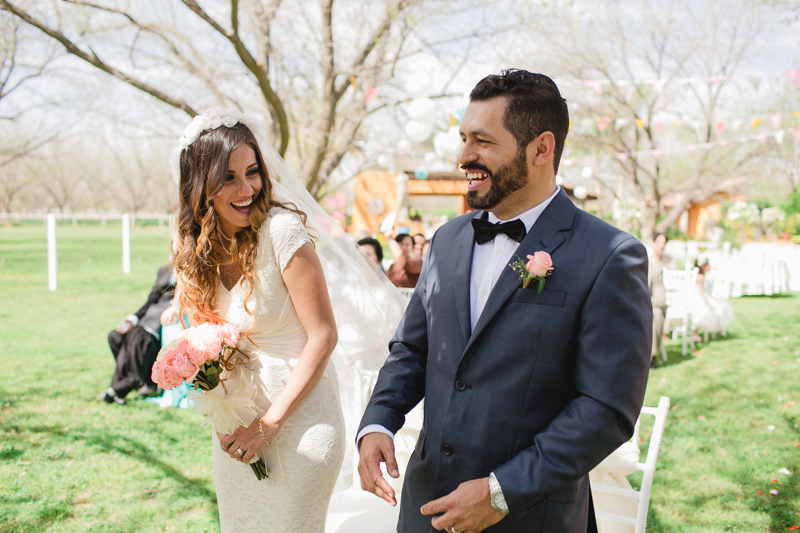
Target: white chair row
x,y
618,507
679,285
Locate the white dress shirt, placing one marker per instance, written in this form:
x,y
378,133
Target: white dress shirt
x,y
488,261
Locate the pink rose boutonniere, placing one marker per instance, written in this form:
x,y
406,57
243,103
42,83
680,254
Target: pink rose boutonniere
x,y
538,267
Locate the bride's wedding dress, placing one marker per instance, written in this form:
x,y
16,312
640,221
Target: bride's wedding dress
x,y
306,456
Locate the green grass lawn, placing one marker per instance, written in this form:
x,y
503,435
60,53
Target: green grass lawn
x,y
71,463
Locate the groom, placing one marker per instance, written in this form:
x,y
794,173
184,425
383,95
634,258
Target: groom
x,y
525,391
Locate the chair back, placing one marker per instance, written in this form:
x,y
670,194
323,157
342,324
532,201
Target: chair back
x,y
648,469
406,292
678,285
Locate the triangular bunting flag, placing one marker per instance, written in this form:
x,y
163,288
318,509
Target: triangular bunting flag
x,y
602,123
779,136
656,153
620,123
597,85
659,126
372,92
720,127
793,75
624,157
776,121
755,79
738,123
762,138
796,131
658,85
756,122
639,123
691,148
716,80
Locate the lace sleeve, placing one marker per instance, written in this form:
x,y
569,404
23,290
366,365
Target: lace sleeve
x,y
287,233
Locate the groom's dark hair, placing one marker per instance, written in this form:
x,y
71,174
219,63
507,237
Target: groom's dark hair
x,y
534,106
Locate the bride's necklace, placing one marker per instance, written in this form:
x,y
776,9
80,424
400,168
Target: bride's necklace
x,y
229,239
230,242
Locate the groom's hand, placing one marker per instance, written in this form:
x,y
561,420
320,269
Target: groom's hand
x,y
467,509
377,448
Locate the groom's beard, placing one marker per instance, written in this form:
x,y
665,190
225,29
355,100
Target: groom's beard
x,y
508,179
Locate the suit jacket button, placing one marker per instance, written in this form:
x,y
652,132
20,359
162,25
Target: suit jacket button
x,y
446,449
461,384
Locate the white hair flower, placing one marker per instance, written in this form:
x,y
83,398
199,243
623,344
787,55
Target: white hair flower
x,y
210,119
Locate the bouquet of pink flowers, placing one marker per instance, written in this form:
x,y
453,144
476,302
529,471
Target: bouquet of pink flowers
x,y
198,357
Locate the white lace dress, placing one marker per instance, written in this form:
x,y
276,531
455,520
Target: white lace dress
x,y
306,455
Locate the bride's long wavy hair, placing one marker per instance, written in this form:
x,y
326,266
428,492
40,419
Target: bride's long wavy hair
x,y
203,169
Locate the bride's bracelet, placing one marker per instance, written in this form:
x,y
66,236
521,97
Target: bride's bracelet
x,y
261,430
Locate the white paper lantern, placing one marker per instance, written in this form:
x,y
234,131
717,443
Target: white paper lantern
x,y
579,192
447,145
587,172
417,132
422,110
404,145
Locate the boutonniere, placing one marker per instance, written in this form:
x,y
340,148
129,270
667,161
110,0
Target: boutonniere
x,y
538,267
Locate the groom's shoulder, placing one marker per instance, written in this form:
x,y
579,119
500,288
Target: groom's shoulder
x,y
601,231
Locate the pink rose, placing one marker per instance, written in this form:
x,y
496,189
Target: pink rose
x,y
230,334
204,342
539,264
165,375
184,367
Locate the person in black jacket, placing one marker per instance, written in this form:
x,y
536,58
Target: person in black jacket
x,y
135,342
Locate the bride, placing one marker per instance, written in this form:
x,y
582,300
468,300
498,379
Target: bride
x,y
253,254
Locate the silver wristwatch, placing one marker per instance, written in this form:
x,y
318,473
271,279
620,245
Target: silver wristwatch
x,y
496,495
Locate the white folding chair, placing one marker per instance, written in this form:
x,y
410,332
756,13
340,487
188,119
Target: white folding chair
x,y
406,292
678,285
648,469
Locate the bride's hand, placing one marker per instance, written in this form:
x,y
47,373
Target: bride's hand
x,y
248,439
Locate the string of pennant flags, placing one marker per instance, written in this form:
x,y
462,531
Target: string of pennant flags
x,y
775,120
601,123
793,75
657,153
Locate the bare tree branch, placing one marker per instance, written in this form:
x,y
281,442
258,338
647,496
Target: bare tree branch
x,y
95,61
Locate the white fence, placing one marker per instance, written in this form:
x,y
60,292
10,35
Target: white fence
x,y
50,221
75,217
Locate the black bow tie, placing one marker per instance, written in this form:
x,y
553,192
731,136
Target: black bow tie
x,y
485,231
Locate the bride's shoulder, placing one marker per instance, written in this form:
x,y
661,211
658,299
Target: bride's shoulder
x,y
285,224
281,218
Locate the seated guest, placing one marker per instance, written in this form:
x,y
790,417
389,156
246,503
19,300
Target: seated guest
x,y
419,243
425,250
709,314
372,250
655,280
137,339
405,270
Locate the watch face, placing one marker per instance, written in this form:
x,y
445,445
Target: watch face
x,y
498,502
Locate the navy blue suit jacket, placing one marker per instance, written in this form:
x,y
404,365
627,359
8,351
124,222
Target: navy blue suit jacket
x,y
543,389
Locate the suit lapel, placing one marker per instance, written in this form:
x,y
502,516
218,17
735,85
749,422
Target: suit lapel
x,y
462,258
545,235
